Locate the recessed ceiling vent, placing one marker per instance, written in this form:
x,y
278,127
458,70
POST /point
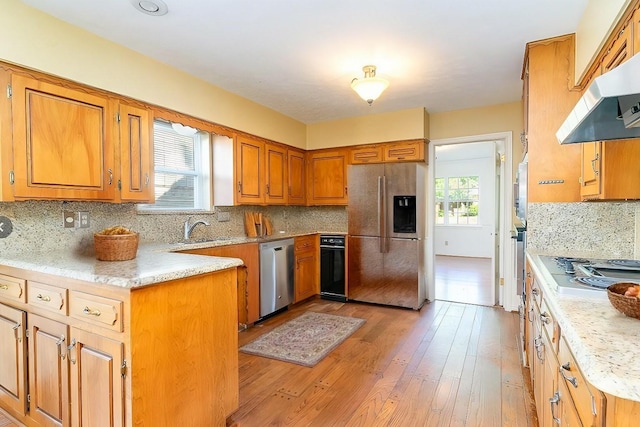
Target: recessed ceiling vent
x,y
151,7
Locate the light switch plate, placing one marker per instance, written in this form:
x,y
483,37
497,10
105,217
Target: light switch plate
x,y
68,219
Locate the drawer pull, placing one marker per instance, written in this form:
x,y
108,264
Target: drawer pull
x,y
61,350
572,380
69,348
554,401
535,291
4,287
44,298
91,312
546,319
17,331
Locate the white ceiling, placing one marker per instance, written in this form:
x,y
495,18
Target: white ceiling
x,y
299,57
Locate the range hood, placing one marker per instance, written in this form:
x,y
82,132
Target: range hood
x,y
609,108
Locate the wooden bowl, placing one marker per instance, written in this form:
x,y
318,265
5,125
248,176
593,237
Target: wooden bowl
x,y
630,306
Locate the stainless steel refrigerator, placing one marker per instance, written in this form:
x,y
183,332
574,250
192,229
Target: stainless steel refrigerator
x,y
386,251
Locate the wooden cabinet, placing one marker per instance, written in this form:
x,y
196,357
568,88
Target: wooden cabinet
x,y
249,158
306,281
404,151
620,49
610,170
13,366
296,177
635,25
250,255
365,154
276,174
63,142
525,108
327,177
135,181
554,169
120,357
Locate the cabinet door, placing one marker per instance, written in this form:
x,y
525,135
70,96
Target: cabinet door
x,y
296,177
306,275
97,397
367,154
249,171
406,151
276,175
63,142
636,31
327,183
619,51
13,343
136,160
48,372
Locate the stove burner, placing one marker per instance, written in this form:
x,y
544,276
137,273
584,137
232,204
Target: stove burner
x,y
567,263
596,282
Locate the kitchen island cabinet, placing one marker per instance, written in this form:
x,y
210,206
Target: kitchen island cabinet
x,y
594,360
143,343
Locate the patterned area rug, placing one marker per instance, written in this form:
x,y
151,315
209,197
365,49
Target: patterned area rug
x,y
305,340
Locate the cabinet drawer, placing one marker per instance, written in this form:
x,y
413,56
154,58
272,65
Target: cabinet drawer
x,y
549,325
304,243
12,288
97,310
586,398
46,296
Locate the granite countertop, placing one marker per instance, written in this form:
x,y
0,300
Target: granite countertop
x,y
154,263
603,340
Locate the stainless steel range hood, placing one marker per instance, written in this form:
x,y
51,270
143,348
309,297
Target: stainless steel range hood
x,y
609,108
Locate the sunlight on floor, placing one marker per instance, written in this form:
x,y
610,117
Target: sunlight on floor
x,y
463,279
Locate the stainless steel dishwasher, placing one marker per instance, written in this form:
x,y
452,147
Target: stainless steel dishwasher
x,y
276,276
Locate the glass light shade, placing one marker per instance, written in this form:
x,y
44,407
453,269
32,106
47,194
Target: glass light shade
x,y
369,88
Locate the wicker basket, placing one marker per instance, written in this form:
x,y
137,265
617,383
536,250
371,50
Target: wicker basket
x,y
116,247
630,306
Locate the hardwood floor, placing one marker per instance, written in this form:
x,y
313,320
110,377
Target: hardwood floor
x,y
449,364
463,279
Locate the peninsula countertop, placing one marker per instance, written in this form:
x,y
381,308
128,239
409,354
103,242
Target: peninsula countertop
x,y
154,263
603,340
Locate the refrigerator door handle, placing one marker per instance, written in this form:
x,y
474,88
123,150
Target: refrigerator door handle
x,y
382,213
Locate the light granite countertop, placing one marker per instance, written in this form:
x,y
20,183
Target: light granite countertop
x,y
603,340
154,263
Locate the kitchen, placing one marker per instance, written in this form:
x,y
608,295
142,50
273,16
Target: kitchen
x,y
553,226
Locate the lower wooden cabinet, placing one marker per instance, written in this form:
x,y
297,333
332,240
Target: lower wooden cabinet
x,y
171,358
307,267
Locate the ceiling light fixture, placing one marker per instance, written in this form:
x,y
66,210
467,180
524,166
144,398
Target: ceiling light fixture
x,y
151,7
370,87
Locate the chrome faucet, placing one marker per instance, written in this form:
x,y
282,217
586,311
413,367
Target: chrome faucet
x,y
188,229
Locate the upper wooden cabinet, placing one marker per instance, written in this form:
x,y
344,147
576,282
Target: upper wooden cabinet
x,y
619,50
404,151
610,170
554,169
365,154
136,156
635,24
62,142
327,177
296,177
249,157
276,174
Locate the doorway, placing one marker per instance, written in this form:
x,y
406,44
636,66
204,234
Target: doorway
x,y
479,232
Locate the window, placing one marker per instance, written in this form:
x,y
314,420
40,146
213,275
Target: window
x,y
457,200
182,168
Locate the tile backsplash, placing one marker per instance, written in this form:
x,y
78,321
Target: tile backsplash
x,y
598,229
38,225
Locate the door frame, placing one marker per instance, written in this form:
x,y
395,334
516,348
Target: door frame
x,y
506,288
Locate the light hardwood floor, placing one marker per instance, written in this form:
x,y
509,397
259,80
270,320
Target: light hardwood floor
x,y
463,279
448,364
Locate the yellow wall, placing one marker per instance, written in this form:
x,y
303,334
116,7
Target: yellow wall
x,y
394,126
36,40
596,24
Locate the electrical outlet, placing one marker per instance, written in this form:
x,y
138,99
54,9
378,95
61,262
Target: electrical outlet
x,y
83,219
68,219
224,216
